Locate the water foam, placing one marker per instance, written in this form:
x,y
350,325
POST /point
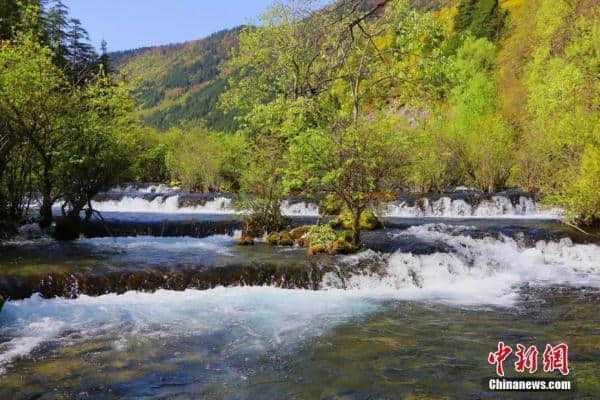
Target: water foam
x,y
160,188
26,337
299,209
477,271
164,205
470,272
495,207
172,205
247,319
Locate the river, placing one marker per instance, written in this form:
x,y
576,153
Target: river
x,y
172,308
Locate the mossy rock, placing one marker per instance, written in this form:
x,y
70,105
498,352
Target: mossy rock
x,y
368,221
286,239
1,302
273,239
280,239
300,232
342,246
245,241
316,249
323,239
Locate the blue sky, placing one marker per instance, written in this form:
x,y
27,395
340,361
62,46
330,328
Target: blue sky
x,y
127,24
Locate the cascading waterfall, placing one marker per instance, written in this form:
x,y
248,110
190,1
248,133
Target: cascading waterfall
x,y
164,205
159,188
476,271
172,204
496,207
170,201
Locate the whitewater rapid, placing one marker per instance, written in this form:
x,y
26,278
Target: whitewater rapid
x,y
476,271
470,272
255,319
496,207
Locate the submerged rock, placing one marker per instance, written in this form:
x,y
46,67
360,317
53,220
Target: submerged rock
x,y
287,273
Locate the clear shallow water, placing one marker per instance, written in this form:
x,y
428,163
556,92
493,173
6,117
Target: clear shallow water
x,y
421,326
264,343
134,253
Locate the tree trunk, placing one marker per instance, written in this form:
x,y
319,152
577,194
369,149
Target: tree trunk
x,y
356,227
47,201
46,210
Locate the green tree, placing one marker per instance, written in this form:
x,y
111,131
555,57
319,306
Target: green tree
x,y
561,127
10,16
481,18
36,107
192,158
350,161
97,155
481,142
261,186
581,197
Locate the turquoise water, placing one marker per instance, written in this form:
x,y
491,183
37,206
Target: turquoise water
x,y
419,327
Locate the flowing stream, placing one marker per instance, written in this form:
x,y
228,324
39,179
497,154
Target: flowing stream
x,y
413,316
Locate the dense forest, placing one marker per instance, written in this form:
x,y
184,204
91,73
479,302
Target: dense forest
x,y
63,121
352,103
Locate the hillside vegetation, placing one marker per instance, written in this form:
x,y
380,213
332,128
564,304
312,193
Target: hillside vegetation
x,y
179,83
353,102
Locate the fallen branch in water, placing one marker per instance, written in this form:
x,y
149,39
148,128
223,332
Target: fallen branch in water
x,y
104,224
579,229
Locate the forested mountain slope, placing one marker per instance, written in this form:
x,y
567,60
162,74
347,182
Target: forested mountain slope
x,y
178,83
